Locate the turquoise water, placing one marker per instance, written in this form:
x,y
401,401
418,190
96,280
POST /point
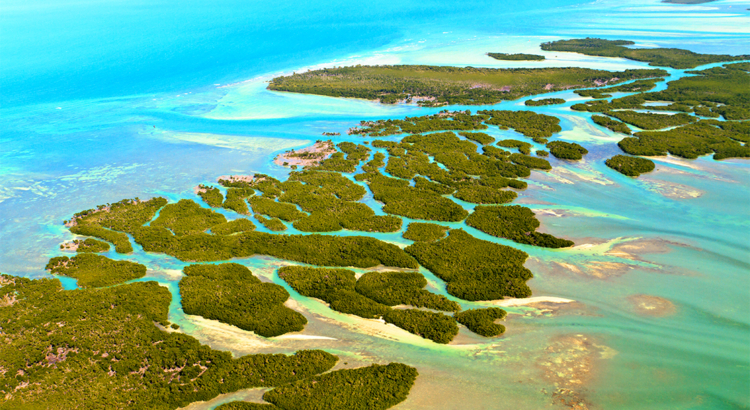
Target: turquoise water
x,y
104,101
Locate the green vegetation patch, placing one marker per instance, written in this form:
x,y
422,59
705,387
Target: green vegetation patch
x,y
235,200
273,224
210,195
530,162
442,121
90,245
613,125
372,296
544,101
528,123
482,321
124,216
635,86
690,141
338,163
567,150
334,286
650,121
95,271
415,203
425,232
355,154
231,294
440,85
375,387
280,210
661,57
523,147
324,250
402,288
119,239
186,217
475,269
228,228
100,349
430,325
630,166
479,194
330,198
716,91
513,222
479,137
516,57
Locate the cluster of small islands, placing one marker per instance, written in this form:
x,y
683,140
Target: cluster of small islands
x,y
110,340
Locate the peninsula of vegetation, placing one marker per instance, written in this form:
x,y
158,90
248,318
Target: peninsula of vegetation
x,y
544,101
438,85
661,57
516,57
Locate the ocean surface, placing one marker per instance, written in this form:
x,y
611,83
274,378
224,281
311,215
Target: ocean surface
x,y
101,101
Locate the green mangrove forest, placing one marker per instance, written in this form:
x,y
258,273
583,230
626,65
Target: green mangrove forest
x,y
630,166
660,57
230,293
516,57
441,85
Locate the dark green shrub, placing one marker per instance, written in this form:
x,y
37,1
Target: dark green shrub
x,y
430,325
475,269
516,223
402,288
96,271
482,321
567,150
375,387
231,294
427,232
630,166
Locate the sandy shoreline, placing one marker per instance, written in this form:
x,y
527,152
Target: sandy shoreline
x,y
308,156
532,300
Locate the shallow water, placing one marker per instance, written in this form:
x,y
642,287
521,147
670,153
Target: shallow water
x,y
99,105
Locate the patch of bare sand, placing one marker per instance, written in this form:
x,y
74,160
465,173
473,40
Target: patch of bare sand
x,y
308,156
532,301
672,190
655,306
602,270
596,269
217,334
688,163
239,178
570,364
71,246
559,309
631,249
248,395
